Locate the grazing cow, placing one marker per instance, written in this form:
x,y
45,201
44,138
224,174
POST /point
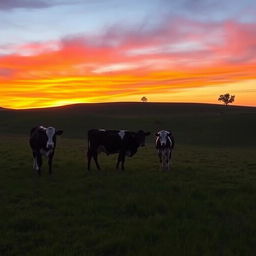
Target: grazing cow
x,y
164,145
43,142
123,142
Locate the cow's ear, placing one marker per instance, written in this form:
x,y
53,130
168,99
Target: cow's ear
x,y
169,132
157,133
147,133
59,132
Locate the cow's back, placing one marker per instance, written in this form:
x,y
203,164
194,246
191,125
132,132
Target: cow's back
x,y
109,139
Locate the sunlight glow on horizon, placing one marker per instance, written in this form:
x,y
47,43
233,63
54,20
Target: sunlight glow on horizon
x,y
198,95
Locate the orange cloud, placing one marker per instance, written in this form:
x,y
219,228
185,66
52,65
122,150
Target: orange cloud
x,y
175,59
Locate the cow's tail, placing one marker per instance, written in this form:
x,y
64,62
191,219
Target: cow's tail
x,y
89,153
88,143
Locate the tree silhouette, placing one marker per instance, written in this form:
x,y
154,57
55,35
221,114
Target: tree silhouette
x,y
144,99
226,98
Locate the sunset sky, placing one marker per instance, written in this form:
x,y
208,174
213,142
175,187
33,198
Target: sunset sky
x,y
58,52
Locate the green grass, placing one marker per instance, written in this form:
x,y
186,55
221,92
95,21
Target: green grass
x,y
203,206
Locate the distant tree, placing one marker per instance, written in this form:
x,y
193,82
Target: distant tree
x,y
144,99
226,98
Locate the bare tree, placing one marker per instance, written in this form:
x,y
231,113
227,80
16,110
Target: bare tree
x,y
144,99
226,98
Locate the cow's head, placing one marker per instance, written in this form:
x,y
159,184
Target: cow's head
x,y
140,137
163,137
51,134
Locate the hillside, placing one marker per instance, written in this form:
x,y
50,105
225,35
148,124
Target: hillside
x,y
191,123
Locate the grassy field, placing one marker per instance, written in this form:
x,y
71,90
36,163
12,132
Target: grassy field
x,y
204,206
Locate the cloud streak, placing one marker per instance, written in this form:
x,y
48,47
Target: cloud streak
x,y
29,4
33,4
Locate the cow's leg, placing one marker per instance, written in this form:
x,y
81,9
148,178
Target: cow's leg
x,y
167,157
123,162
89,158
169,160
167,164
118,160
160,159
34,161
163,160
121,158
38,162
160,156
50,157
95,157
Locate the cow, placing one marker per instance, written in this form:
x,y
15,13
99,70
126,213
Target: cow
x,y
164,144
121,142
43,142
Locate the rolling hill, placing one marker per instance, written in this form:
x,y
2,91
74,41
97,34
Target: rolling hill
x,y
191,123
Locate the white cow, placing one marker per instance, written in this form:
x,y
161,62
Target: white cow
x,y
42,141
164,145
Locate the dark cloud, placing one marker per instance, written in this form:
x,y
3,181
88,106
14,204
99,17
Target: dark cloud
x,y
28,4
213,10
33,4
183,6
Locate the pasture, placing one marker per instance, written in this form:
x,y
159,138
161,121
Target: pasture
x,y
204,206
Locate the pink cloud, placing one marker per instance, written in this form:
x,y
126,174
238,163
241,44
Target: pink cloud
x,y
177,39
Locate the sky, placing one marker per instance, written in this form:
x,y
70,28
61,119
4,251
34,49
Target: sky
x,y
58,52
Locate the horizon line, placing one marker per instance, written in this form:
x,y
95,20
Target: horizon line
x,y
118,102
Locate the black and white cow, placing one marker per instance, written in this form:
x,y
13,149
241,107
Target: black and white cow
x,y
43,142
164,145
122,142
